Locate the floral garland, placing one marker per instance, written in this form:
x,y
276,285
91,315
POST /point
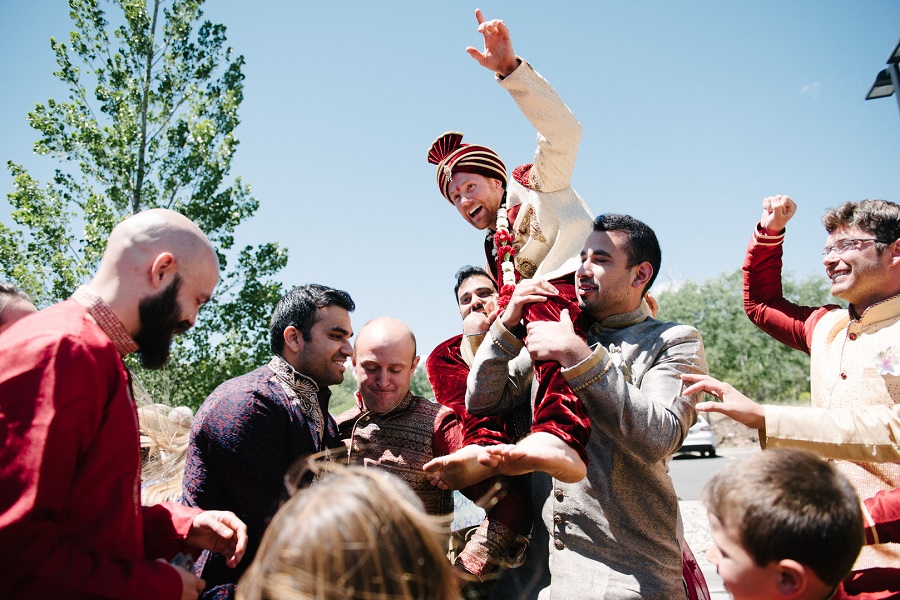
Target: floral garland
x,y
503,242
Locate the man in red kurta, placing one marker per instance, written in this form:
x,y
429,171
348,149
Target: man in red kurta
x,y
448,364
71,523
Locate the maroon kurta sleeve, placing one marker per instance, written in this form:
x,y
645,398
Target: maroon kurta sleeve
x,y
166,526
764,302
884,510
447,373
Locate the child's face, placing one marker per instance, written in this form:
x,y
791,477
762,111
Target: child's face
x,y
743,578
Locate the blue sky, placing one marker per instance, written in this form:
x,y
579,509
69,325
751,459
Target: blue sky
x,y
692,113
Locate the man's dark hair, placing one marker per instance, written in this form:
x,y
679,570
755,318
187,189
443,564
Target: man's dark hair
x,y
786,503
299,308
467,272
642,243
880,218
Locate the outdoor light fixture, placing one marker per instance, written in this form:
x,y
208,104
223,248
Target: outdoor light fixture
x,y
888,80
883,86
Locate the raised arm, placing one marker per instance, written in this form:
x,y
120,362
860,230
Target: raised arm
x,y
559,132
764,301
498,55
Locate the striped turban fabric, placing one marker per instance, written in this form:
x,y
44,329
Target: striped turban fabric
x,y
452,156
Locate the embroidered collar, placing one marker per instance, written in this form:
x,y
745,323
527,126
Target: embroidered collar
x,y
304,393
622,320
887,308
104,316
297,381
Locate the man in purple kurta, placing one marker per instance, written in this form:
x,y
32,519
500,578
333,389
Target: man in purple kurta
x,y
252,429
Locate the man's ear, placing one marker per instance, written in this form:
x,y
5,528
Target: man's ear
x,y
415,363
293,339
793,578
893,251
162,269
643,275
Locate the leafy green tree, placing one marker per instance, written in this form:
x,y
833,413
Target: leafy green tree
x,y
149,122
343,396
737,351
419,384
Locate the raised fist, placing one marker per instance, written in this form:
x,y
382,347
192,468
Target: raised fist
x,y
777,211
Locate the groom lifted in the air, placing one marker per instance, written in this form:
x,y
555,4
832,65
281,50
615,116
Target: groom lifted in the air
x,y
536,225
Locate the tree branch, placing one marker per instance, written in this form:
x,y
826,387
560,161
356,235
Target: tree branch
x,y
145,106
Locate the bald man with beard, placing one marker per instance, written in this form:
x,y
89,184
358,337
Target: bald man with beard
x,y
71,524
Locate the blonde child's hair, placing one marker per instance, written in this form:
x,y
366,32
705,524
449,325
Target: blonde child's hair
x,y
355,533
165,433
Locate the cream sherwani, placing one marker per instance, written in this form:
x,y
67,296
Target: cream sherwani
x,y
553,221
854,378
855,414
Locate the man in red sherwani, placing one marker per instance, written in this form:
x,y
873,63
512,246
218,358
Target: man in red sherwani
x,y
71,523
448,364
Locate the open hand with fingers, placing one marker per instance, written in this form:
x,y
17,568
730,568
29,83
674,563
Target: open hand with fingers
x,y
498,55
219,531
732,403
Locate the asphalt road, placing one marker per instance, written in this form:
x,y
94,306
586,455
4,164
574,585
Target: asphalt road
x,y
690,471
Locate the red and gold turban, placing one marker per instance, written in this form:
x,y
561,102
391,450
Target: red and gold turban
x,y
452,156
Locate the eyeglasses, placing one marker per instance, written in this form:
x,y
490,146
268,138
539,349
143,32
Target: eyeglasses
x,y
848,243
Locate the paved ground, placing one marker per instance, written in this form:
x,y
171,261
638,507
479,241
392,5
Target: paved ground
x,y
696,532
696,524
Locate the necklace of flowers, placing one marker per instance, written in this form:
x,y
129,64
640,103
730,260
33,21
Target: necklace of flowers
x,y
503,242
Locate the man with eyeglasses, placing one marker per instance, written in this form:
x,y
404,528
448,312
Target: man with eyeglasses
x,y
855,360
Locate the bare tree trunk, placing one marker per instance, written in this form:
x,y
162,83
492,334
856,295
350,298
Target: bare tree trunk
x,y
145,104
